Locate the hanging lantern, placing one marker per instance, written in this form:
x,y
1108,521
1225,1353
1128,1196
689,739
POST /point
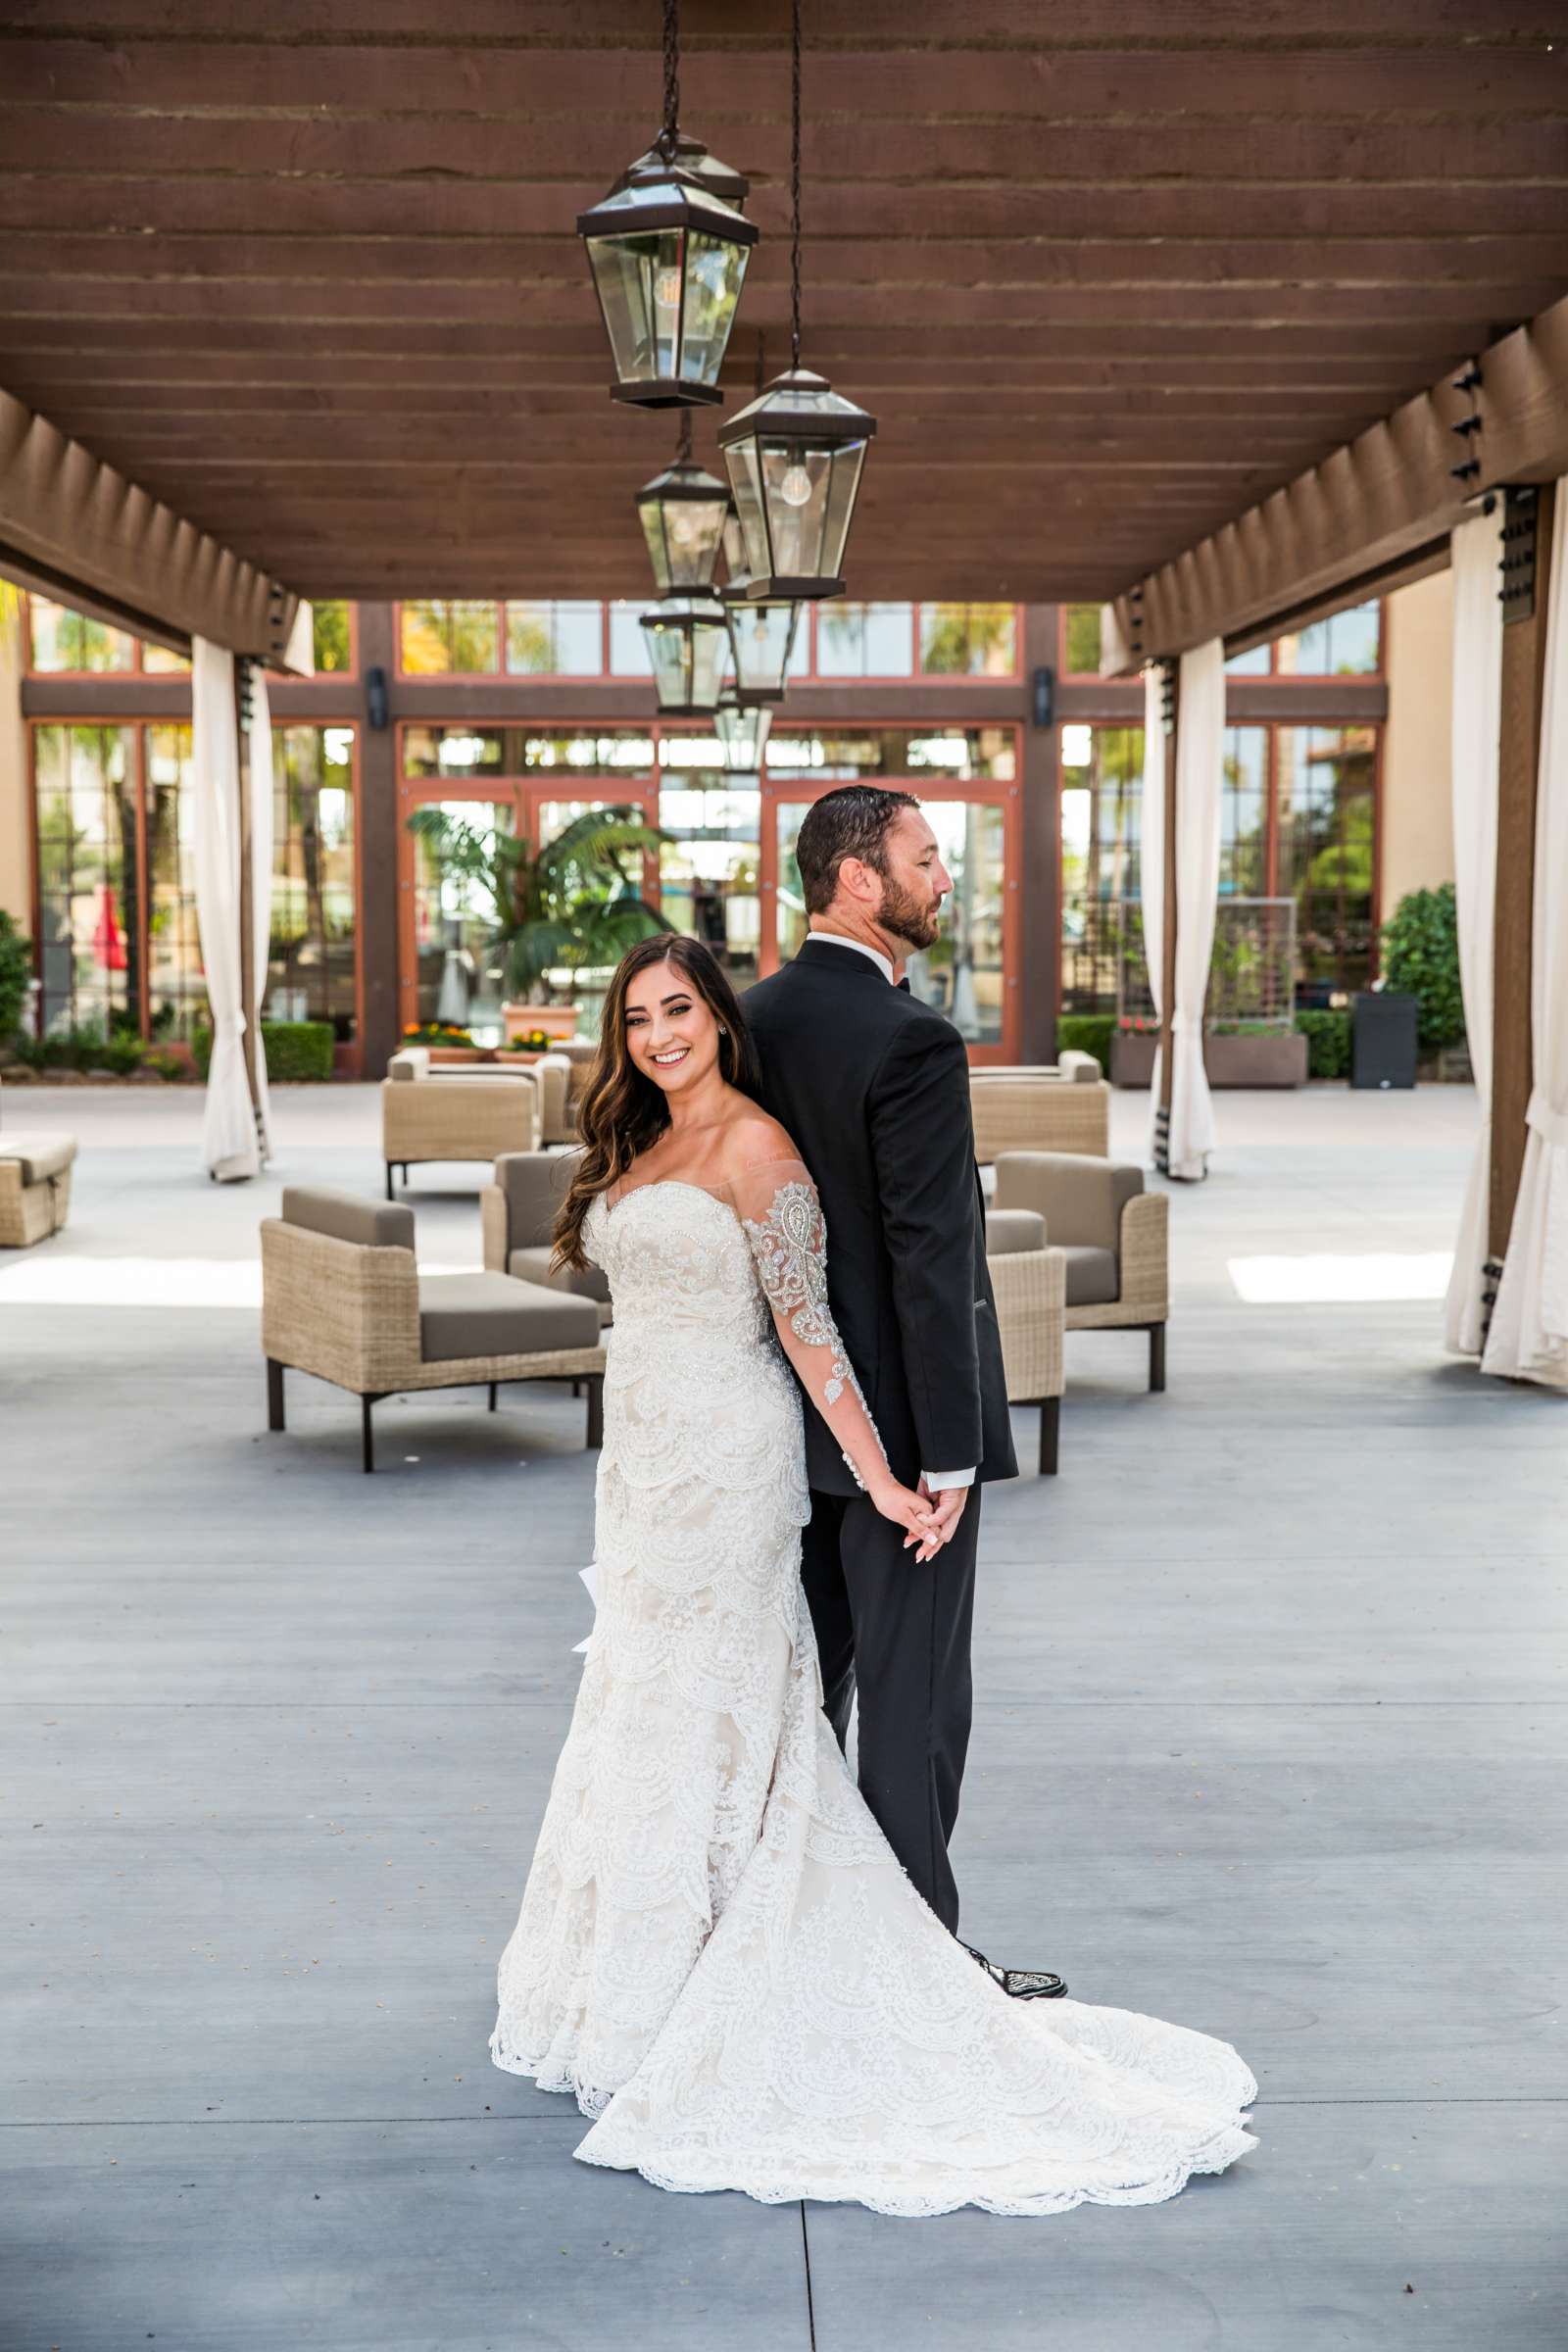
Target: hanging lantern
x,y
669,258
794,458
688,644
796,455
742,728
761,638
682,512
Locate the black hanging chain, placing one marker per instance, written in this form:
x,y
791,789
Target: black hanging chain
x,y
666,137
795,184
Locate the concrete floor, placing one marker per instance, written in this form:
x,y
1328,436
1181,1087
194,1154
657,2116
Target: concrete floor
x,y
1270,1741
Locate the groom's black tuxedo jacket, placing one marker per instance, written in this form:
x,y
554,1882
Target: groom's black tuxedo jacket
x,y
874,1088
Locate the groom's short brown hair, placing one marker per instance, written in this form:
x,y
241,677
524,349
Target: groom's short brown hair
x,y
852,822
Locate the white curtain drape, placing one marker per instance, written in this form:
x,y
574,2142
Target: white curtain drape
x,y
1529,1335
228,1128
260,815
1152,871
1200,753
1477,555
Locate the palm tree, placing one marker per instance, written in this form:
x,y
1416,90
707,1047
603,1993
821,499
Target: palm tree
x,y
574,903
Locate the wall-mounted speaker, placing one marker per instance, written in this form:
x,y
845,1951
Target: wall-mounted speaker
x,y
1045,695
377,707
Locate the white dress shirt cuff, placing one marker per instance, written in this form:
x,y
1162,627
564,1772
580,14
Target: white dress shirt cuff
x,y
948,1477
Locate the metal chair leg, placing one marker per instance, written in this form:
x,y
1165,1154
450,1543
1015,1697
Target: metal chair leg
x,y
492,1396
1050,1434
596,1409
1157,1357
275,1393
389,1180
366,1436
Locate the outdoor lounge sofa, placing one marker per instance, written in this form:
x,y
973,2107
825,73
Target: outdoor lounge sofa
x,y
428,1114
342,1299
1028,1280
1113,1236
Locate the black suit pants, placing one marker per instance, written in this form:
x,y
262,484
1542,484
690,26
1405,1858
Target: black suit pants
x,y
896,1633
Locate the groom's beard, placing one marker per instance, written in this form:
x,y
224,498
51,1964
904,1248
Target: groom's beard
x,y
912,920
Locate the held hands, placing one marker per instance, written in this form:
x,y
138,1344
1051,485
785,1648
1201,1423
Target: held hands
x,y
914,1512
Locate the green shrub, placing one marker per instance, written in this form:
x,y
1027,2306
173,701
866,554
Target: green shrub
x,y
1421,959
1328,1043
296,1050
15,975
1087,1032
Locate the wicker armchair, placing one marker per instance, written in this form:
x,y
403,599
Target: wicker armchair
x,y
427,1116
342,1299
1040,1111
518,1216
1113,1236
1029,1283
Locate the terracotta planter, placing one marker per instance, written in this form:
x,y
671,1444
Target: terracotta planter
x,y
1278,1059
556,1021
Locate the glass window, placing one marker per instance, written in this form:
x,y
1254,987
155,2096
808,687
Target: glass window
x,y
158,662
310,959
178,986
864,641
332,638
961,973
707,867
459,973
1344,646
1101,819
1244,814
1327,816
1254,664
1080,640
969,641
628,646
62,640
481,751
909,754
555,640
88,894
441,638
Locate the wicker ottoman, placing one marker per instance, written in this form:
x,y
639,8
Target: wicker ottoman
x,y
34,1186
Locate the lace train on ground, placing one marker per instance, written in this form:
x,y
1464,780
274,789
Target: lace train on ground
x,y
716,1952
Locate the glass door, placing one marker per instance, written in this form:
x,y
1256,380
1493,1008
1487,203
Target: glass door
x,y
970,973
456,960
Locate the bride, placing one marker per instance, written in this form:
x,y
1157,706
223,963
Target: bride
x,y
718,1954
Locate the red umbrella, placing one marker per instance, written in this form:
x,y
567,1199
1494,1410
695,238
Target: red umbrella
x,y
108,940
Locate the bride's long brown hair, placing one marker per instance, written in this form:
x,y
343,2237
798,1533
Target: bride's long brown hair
x,y
622,1112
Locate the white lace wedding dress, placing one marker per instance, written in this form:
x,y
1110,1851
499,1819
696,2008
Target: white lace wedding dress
x,y
718,1952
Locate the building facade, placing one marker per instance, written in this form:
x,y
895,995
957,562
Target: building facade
x,y
517,718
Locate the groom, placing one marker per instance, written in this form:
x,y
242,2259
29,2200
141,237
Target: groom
x,y
874,1088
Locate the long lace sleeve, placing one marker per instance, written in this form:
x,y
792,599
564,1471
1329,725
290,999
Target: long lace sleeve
x,y
782,1216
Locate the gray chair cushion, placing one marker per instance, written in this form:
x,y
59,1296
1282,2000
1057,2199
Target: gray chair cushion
x,y
535,1183
490,1314
47,1151
322,1208
1081,1197
584,1281
1091,1275
1009,1230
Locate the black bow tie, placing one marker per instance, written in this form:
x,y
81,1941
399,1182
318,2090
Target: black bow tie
x,y
904,984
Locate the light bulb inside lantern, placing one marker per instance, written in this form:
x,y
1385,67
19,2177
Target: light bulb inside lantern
x,y
796,487
666,289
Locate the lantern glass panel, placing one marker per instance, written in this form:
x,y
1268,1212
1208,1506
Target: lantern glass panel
x,y
763,636
669,645
737,570
742,731
683,537
709,654
715,271
746,483
843,487
640,280
810,498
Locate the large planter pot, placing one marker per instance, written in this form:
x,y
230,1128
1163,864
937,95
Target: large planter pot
x,y
1278,1059
1131,1056
556,1021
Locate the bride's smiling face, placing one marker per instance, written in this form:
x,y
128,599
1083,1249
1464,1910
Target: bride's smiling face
x,y
671,1034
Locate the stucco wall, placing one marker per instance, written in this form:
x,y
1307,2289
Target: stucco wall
x,y
1417,825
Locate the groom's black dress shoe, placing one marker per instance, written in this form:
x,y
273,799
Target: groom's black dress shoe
x,y
1022,1983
